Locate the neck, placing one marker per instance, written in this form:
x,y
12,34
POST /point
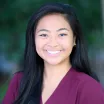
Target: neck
x,y
53,72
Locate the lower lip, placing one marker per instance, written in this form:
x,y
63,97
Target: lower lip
x,y
56,54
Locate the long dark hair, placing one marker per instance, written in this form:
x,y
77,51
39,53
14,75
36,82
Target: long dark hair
x,y
31,84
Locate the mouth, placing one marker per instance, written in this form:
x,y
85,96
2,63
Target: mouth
x,y
53,52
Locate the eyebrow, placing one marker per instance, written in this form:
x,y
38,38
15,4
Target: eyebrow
x,y
43,30
62,29
56,30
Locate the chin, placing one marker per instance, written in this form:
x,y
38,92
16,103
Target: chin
x,y
53,62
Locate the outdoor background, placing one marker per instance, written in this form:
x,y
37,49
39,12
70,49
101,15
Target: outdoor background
x,y
14,16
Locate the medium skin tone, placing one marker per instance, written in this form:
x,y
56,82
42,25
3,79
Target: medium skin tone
x,y
54,42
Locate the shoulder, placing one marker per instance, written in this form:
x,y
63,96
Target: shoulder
x,y
15,80
17,76
89,90
12,90
84,78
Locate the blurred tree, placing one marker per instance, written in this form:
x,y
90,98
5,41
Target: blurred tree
x,y
102,7
15,15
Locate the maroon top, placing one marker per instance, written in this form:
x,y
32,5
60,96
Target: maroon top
x,y
74,88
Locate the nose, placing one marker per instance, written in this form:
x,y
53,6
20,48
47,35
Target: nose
x,y
53,42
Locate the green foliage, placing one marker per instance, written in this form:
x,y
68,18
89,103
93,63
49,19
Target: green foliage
x,y
3,89
14,16
16,13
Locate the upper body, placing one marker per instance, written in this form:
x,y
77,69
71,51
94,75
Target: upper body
x,y
74,88
54,44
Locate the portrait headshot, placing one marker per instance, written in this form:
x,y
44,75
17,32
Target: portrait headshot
x,y
56,67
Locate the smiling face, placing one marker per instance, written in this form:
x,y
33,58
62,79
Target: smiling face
x,y
54,39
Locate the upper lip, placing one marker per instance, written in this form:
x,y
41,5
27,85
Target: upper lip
x,y
53,50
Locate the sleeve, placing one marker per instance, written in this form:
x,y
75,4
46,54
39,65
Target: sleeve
x,y
91,92
12,90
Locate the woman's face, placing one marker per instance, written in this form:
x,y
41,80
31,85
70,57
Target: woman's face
x,y
54,39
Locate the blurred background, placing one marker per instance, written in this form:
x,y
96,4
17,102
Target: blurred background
x,y
14,16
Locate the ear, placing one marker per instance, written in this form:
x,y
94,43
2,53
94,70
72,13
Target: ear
x,y
74,41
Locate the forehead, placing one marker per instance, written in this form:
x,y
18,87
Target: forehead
x,y
53,22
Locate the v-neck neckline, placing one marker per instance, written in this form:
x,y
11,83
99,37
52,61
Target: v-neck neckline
x,y
59,85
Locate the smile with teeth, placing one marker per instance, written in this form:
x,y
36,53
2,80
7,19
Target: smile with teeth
x,y
53,52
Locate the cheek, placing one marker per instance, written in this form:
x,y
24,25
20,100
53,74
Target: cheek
x,y
67,44
39,49
39,45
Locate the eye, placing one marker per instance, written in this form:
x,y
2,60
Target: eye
x,y
43,35
63,34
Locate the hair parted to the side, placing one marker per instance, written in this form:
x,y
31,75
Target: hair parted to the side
x,y
31,84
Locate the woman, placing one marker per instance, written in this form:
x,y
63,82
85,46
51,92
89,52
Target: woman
x,y
56,68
